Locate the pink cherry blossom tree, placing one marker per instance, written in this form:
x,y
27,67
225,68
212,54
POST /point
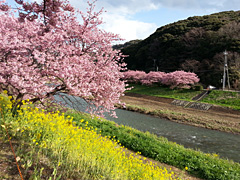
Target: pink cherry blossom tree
x,y
44,50
153,77
134,76
176,79
179,79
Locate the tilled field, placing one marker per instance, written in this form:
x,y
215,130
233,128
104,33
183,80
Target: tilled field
x,y
219,118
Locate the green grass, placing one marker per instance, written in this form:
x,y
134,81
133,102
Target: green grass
x,y
206,166
159,91
217,97
224,98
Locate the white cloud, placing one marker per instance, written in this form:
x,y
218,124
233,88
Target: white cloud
x,y
204,5
127,28
118,17
128,6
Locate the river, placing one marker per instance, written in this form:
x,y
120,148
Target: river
x,y
209,141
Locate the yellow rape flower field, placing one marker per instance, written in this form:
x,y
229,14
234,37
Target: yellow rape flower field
x,y
73,152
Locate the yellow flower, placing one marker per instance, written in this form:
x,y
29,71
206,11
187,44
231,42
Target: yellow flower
x,y
215,155
81,145
186,168
38,136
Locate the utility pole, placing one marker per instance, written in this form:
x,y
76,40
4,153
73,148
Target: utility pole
x,y
154,65
225,70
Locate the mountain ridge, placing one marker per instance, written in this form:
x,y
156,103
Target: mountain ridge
x,y
195,44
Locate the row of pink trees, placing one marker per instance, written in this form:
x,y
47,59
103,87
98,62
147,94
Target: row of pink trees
x,y
174,79
45,50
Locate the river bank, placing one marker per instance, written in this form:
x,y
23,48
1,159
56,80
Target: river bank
x,y
216,118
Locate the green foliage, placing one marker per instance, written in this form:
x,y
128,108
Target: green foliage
x,y
206,166
120,46
198,87
198,38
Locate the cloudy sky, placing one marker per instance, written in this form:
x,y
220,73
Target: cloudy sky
x,y
137,19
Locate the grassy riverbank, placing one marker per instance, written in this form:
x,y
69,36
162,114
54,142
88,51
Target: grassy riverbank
x,y
160,91
224,98
51,146
206,166
217,97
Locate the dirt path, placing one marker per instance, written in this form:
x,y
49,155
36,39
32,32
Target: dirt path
x,y
218,118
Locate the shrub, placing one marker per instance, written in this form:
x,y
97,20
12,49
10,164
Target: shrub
x,y
198,87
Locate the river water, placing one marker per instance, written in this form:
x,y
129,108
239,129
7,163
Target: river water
x,y
209,141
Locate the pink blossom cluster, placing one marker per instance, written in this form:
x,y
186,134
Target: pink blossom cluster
x,y
180,79
153,77
54,48
174,79
134,76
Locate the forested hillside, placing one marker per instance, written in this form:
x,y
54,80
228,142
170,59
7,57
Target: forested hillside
x,y
195,44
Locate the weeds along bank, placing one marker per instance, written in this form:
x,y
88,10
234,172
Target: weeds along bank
x,y
53,147
197,163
